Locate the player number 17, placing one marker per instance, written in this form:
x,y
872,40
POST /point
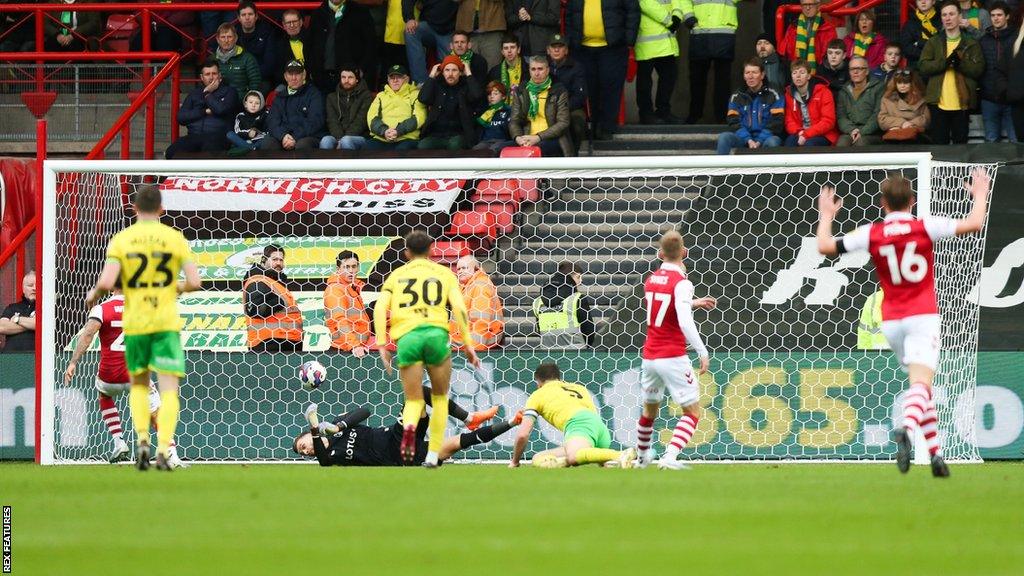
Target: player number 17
x,y
663,301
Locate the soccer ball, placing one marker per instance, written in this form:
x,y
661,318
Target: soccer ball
x,y
312,374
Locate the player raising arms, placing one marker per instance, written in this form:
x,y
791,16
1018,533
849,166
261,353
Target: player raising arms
x,y
670,327
570,408
901,246
112,379
417,296
148,257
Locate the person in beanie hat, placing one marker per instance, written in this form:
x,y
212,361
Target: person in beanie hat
x,y
451,95
776,70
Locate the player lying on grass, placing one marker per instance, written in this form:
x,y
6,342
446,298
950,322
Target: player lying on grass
x,y
346,442
569,408
901,247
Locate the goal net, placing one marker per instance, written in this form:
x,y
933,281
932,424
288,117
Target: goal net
x,y
796,369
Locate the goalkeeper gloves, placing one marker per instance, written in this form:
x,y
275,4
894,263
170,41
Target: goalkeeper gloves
x,y
311,416
328,429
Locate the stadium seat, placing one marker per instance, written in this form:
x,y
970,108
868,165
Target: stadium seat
x,y
528,190
446,252
120,29
478,229
496,191
504,214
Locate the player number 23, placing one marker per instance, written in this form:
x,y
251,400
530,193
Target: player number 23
x,y
160,260
910,266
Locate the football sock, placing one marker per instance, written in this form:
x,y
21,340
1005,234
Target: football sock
x,y
454,410
681,435
438,422
167,420
138,403
915,403
411,412
930,428
111,417
644,430
483,434
595,455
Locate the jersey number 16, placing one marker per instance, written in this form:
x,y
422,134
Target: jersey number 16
x,y
909,266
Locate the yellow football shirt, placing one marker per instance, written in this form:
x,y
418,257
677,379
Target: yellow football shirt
x,y
151,256
593,24
421,292
558,401
949,97
540,123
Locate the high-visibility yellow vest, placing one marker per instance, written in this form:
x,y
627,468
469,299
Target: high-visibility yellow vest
x,y
869,329
559,327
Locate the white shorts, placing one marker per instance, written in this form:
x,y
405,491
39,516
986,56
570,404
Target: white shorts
x,y
915,339
676,374
116,389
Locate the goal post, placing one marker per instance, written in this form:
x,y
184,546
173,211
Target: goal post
x,y
791,377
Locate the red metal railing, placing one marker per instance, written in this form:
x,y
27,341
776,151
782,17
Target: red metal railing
x,y
836,8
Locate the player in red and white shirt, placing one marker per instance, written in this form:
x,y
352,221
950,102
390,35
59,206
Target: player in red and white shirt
x,y
902,248
670,327
112,379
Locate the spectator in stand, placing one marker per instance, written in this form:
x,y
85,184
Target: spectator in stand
x,y
540,113
208,111
210,20
569,73
756,113
165,35
18,322
296,117
432,30
1012,81
890,63
997,41
858,105
904,115
451,95
974,19
239,68
344,311
340,31
951,63
513,70
393,49
809,37
922,24
463,48
346,111
250,124
396,114
810,109
258,37
291,45
835,69
486,20
486,317
495,119
865,41
272,314
712,44
657,50
563,312
15,35
776,70
70,30
601,32
533,22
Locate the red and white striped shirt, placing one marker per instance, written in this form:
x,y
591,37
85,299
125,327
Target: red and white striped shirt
x,y
670,324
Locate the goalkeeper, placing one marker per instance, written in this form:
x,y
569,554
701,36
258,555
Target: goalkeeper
x,y
346,442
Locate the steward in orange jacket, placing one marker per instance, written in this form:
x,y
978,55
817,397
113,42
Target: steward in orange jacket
x,y
486,318
344,311
274,319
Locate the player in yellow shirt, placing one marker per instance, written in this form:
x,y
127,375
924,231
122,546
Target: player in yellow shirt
x,y
570,408
418,296
148,257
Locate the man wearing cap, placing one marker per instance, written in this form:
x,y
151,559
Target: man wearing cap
x,y
451,95
569,73
340,31
533,22
776,70
540,113
657,50
396,114
295,121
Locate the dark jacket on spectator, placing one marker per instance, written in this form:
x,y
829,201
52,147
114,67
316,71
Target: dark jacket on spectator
x,y
346,111
535,33
300,114
836,77
556,112
860,113
260,300
571,76
353,38
440,14
283,54
497,127
240,70
933,68
260,43
1011,77
223,102
993,45
557,290
776,72
621,22
757,115
450,109
88,23
912,36
246,120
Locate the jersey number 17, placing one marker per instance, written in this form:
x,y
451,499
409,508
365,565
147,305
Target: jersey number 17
x,y
655,318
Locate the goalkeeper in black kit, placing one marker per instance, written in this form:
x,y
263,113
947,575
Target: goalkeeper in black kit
x,y
346,442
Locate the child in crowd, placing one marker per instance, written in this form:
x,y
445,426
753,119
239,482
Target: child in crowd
x,y
890,62
250,124
495,119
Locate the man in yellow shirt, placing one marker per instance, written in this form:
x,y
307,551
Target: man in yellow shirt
x,y
540,113
148,257
952,63
569,408
418,296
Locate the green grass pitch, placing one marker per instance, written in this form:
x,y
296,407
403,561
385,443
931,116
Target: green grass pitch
x,y
472,520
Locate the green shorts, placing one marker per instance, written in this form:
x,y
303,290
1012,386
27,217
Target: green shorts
x,y
587,424
160,352
426,344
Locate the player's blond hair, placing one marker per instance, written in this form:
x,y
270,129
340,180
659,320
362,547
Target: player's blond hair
x,y
898,192
672,245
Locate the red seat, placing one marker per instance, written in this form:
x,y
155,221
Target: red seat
x,y
121,26
446,252
504,214
478,229
496,191
528,191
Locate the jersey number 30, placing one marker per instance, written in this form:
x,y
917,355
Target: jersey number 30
x,y
429,293
663,301
909,266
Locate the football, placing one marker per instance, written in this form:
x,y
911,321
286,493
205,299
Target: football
x,y
312,374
